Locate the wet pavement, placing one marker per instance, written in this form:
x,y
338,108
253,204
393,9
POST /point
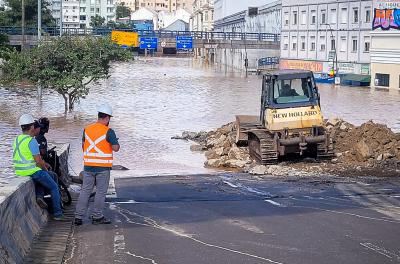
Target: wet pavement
x,y
157,98
229,218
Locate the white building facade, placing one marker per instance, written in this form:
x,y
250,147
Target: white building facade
x,y
313,30
202,18
385,45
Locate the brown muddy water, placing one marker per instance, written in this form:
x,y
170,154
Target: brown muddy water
x,y
156,98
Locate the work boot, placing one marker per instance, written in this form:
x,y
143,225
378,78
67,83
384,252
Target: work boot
x,y
60,218
101,221
41,202
78,221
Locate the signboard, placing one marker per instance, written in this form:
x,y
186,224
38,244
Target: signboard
x,y
314,66
126,39
163,44
148,43
268,61
331,55
386,14
184,42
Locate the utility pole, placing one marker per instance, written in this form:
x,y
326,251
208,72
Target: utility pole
x,y
334,59
39,21
61,16
23,24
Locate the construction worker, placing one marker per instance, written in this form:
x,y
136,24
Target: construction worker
x,y
98,144
28,163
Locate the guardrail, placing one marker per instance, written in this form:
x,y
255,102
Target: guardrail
x,y
54,31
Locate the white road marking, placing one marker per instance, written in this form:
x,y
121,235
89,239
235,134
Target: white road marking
x,y
111,192
231,184
243,187
273,203
152,223
127,202
141,257
119,244
380,250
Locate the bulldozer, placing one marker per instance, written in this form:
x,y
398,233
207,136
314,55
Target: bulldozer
x,y
290,120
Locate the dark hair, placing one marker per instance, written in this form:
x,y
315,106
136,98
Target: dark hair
x,y
26,128
102,115
44,122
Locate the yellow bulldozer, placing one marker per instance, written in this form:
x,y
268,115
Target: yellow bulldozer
x,y
290,119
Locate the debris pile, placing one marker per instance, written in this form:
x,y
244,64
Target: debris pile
x,y
358,148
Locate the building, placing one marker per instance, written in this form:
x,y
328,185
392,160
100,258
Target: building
x,y
385,44
202,18
145,19
252,19
315,32
225,8
178,25
91,8
166,18
159,5
78,13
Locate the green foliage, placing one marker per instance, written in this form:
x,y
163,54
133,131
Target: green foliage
x,y
72,64
123,11
97,21
13,15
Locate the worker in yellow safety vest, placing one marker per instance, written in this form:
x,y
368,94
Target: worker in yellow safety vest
x,y
98,144
28,163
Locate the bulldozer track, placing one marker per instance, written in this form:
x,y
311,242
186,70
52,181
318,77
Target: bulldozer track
x,y
324,153
262,147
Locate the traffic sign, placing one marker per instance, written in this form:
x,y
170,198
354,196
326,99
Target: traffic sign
x,y
163,44
184,42
148,43
127,39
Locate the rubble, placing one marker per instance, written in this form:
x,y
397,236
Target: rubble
x,y
358,149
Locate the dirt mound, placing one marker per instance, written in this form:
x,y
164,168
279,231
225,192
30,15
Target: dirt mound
x,y
358,149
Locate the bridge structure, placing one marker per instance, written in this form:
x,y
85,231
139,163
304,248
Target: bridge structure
x,y
201,40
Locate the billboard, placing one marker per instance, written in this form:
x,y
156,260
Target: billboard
x,y
386,14
123,38
314,66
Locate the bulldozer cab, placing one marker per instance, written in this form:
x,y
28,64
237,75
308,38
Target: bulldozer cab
x,y
288,89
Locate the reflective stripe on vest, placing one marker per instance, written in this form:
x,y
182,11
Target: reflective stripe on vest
x,y
97,151
24,162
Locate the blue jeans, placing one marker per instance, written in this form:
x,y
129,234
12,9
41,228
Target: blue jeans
x,y
44,179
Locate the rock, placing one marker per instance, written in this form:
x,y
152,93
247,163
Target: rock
x,y
339,154
215,163
197,147
388,156
380,157
235,153
343,126
258,170
333,121
363,149
211,154
334,160
232,163
219,151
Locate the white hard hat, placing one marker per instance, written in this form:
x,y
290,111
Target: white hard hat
x,y
26,119
105,109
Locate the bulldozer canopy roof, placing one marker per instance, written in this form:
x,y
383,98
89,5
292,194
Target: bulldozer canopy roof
x,y
290,74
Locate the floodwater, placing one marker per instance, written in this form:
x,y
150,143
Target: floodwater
x,y
157,98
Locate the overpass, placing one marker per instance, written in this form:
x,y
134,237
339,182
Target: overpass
x,y
201,40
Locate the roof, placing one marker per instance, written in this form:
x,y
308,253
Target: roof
x,y
357,78
287,74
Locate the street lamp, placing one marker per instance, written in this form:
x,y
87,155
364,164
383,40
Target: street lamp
x,y
334,60
39,20
23,24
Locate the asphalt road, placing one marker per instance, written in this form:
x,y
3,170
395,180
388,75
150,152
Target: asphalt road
x,y
244,219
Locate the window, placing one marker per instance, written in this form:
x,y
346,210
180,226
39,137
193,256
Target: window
x,y
82,17
343,16
303,43
294,18
367,44
343,44
323,17
294,43
286,19
354,45
303,17
333,44
312,39
368,15
355,15
293,91
382,79
313,17
322,46
285,43
333,16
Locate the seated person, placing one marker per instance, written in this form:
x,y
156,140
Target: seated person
x,y
287,91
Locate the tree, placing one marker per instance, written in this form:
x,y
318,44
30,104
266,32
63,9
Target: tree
x,y
13,14
123,11
97,21
73,64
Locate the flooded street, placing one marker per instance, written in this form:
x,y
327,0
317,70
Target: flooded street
x,y
158,98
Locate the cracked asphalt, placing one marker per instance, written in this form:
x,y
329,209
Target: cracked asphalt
x,y
238,218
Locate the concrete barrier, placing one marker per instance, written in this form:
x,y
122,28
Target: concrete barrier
x,y
20,217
